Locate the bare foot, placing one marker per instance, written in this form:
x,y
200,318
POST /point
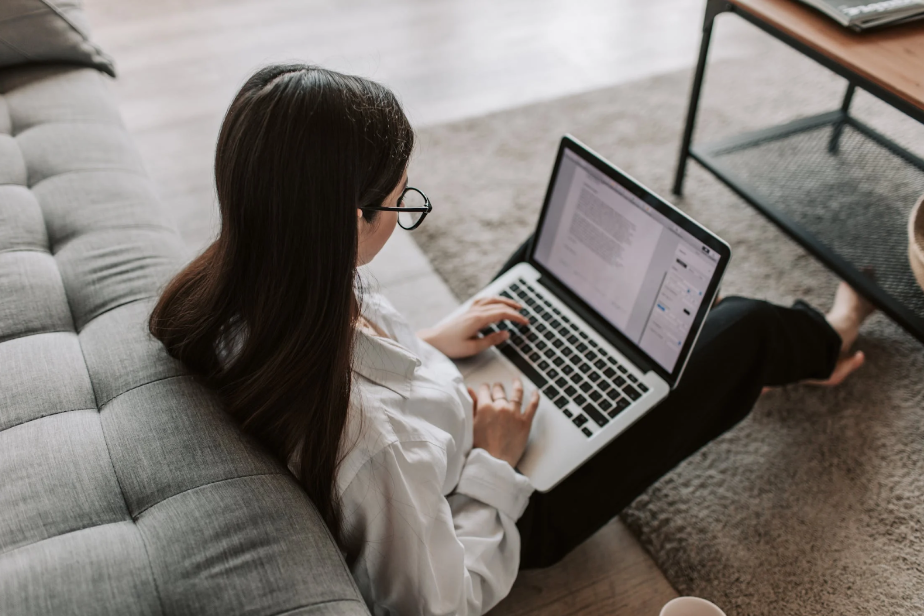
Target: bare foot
x,y
847,313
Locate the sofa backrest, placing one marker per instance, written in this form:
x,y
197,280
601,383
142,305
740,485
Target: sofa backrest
x,y
124,487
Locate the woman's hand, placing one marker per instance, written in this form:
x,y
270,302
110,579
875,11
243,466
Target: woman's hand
x,y
460,337
500,428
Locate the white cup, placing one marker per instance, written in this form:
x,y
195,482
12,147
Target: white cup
x,y
690,606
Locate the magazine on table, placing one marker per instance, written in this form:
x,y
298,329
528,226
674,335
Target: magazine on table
x,y
864,14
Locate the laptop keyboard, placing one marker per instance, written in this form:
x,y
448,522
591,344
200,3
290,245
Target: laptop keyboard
x,y
582,379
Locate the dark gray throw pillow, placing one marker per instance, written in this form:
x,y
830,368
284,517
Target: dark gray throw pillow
x,y
48,31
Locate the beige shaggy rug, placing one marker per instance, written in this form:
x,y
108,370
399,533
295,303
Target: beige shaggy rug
x,y
815,503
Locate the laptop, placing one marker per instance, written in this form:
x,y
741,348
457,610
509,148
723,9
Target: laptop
x,y
616,286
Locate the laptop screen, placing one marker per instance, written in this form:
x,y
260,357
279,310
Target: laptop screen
x,y
635,267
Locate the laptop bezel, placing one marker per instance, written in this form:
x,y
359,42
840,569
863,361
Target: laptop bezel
x,y
596,320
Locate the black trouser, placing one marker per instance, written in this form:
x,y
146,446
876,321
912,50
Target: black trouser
x,y
745,344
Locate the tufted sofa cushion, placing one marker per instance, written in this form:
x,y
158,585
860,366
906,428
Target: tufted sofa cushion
x,y
124,487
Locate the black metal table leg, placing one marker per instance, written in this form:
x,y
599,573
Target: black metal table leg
x,y
839,127
713,8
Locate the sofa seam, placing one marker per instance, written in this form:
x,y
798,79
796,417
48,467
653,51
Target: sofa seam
x,y
70,532
140,513
134,387
47,415
24,249
110,309
134,172
39,333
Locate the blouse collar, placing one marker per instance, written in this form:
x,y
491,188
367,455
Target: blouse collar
x,y
384,362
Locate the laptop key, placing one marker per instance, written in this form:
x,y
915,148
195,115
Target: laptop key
x,y
619,381
614,394
632,378
631,392
524,366
642,387
600,365
564,331
561,402
598,417
541,345
585,368
576,378
561,382
595,395
590,355
586,386
587,432
534,357
554,323
543,365
572,339
594,376
548,335
549,353
609,372
567,369
580,420
581,347
622,403
551,392
570,391
567,412
575,359
580,400
558,361
551,373
567,352
621,368
605,405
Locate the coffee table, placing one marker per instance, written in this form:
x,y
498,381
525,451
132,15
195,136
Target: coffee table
x,y
832,183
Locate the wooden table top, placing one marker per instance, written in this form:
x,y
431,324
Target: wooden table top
x,y
892,58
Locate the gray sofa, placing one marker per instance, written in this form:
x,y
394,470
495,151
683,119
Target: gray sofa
x,y
124,487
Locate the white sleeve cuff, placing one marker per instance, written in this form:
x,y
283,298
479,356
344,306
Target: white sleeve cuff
x,y
495,483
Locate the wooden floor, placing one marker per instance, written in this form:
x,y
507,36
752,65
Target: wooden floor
x,y
181,61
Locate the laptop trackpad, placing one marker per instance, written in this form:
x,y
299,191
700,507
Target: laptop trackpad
x,y
490,367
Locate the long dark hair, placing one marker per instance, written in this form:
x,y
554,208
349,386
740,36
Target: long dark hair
x,y
265,316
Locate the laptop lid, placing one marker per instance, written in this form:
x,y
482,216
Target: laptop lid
x,y
636,268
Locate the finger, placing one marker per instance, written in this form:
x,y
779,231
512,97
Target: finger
x,y
531,408
485,342
486,316
497,392
484,394
497,299
516,397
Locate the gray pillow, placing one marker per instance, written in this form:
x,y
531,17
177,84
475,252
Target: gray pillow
x,y
48,31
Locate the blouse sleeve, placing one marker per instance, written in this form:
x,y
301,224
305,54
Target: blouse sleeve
x,y
419,552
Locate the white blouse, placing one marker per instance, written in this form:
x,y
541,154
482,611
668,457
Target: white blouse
x,y
429,523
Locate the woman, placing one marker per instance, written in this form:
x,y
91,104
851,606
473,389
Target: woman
x,y
413,472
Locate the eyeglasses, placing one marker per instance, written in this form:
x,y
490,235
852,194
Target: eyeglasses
x,y
413,207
